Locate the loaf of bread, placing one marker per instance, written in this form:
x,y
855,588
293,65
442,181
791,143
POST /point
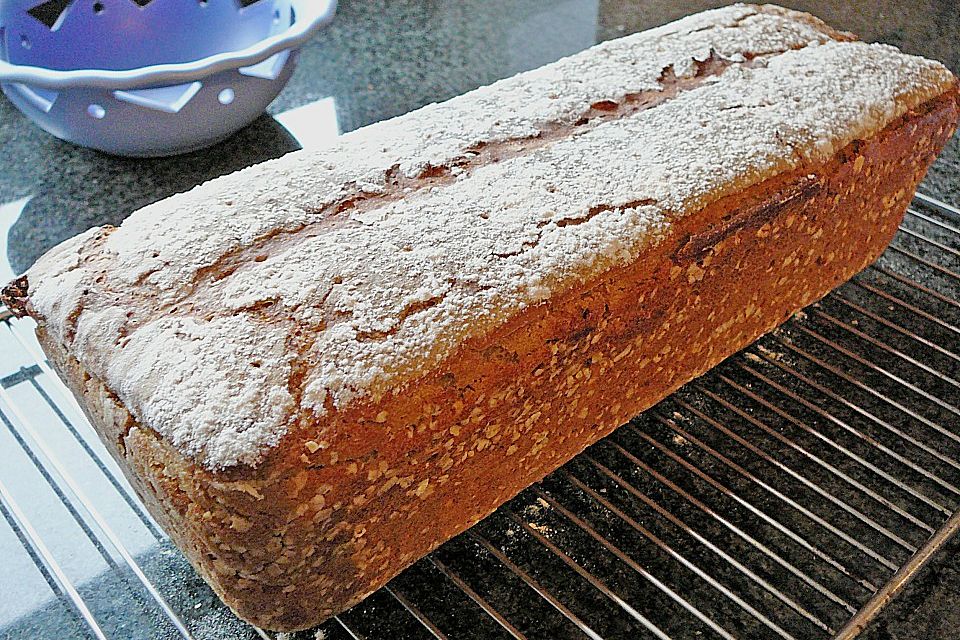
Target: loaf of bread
x,y
318,369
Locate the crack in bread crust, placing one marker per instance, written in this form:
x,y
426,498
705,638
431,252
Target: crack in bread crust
x,y
337,214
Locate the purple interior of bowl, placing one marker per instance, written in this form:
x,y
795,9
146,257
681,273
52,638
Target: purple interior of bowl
x,y
129,34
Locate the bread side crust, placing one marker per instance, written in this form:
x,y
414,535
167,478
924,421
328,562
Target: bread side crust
x,y
322,523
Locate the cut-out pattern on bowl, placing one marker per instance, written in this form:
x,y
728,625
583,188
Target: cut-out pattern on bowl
x,y
50,13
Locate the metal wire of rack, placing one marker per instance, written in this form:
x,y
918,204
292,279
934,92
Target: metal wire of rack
x,y
791,492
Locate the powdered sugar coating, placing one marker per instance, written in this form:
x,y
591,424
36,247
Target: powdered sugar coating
x,y
389,293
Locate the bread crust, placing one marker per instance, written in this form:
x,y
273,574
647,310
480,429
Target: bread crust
x,y
321,523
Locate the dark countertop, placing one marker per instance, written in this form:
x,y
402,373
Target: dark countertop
x,y
381,59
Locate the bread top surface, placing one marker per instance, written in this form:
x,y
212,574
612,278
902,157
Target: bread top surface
x,y
308,282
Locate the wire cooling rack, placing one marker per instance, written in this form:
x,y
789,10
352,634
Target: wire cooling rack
x,y
789,493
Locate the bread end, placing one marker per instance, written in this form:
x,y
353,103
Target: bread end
x,y
14,297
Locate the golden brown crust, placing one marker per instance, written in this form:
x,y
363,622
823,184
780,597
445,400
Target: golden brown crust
x,y
320,524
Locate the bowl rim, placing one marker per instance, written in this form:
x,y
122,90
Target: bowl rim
x,y
312,15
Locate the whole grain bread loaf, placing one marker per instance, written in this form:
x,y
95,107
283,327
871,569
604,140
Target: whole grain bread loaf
x,y
316,370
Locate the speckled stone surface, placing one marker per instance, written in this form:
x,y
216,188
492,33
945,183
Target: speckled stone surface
x,y
384,58
927,608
